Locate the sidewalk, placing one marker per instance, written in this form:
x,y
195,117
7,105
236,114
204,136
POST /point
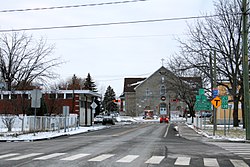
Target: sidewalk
x,y
191,133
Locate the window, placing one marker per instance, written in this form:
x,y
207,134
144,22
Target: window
x,y
52,96
163,90
147,92
60,95
25,96
6,96
69,96
13,96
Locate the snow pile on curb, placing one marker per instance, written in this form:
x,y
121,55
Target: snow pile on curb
x,y
217,137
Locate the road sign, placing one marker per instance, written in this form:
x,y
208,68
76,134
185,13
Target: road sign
x,y
224,102
202,103
36,95
93,105
216,102
215,92
201,91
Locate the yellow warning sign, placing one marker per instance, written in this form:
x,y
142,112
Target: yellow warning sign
x,y
216,102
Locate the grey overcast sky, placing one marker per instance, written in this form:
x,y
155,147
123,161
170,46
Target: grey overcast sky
x,y
108,52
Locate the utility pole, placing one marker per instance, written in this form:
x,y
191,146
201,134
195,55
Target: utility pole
x,y
245,66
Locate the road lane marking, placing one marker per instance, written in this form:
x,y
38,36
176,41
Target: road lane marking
x,y
24,156
128,158
182,161
101,157
238,163
49,156
8,155
155,160
210,162
166,133
74,157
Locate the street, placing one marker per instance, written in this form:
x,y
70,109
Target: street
x,y
145,144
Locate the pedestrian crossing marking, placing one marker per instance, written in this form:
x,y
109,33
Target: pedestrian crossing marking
x,y
179,161
49,156
101,157
210,162
238,163
24,156
128,158
155,160
182,161
9,155
74,157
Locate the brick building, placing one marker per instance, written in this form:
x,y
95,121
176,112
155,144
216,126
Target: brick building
x,y
52,102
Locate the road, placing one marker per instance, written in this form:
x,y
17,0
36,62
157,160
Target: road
x,y
140,145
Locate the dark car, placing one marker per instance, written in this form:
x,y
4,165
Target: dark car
x,y
108,120
205,114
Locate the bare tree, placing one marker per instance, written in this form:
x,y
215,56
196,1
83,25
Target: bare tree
x,y
220,34
24,60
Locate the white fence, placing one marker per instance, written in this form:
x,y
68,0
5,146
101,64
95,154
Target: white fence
x,y
41,123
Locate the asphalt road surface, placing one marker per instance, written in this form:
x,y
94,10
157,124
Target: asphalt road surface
x,y
136,145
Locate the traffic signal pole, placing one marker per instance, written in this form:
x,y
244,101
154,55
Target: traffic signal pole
x,y
245,66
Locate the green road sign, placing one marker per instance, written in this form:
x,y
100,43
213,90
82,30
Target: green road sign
x,y
224,102
201,91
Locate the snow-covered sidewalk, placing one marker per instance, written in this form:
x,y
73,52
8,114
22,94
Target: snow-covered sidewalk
x,y
49,135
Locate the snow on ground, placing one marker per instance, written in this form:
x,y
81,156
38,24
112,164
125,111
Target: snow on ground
x,y
234,135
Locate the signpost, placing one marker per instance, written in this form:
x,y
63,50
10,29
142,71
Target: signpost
x,y
36,95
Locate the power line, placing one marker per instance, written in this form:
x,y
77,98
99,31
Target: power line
x,y
69,6
110,23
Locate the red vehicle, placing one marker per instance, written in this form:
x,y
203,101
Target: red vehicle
x,y
164,119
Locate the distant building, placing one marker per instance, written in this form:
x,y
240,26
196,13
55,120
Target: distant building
x,y
79,102
153,95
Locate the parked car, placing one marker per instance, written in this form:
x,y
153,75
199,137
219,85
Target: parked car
x,y
164,119
204,114
98,119
108,120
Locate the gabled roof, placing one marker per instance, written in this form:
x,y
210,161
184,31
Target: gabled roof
x,y
131,83
161,69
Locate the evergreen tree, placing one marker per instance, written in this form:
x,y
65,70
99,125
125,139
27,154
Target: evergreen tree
x,y
89,84
107,102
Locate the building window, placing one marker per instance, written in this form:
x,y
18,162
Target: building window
x,y
163,90
6,96
52,96
25,96
60,95
13,96
147,92
69,96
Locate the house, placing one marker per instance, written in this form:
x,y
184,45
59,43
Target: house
x,y
154,95
52,102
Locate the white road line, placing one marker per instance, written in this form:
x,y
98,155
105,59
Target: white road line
x,y
24,156
74,157
166,133
101,157
238,163
49,156
182,161
211,162
155,160
128,158
8,155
